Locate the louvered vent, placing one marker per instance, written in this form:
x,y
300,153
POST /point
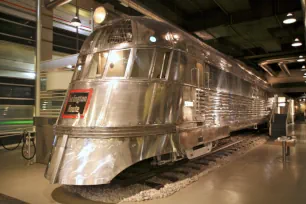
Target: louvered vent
x,y
200,102
121,32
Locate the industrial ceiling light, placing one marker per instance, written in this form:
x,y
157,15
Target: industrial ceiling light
x,y
301,59
76,20
296,43
289,19
99,15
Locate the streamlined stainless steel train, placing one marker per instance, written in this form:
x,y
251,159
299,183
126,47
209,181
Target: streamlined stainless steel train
x,y
145,89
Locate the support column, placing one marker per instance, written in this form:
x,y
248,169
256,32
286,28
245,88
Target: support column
x,y
44,41
37,58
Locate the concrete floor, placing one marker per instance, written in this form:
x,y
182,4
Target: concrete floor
x,y
257,177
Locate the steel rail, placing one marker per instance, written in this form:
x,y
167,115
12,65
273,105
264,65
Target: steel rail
x,y
146,174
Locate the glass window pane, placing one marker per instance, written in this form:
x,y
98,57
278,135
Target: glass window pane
x,y
102,62
142,63
16,91
175,66
200,74
161,64
92,66
190,71
183,66
79,67
194,75
96,65
117,62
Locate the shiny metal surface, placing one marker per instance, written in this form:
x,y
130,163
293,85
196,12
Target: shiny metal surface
x,y
149,97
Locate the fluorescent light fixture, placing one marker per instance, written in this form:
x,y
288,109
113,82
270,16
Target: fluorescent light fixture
x,y
76,21
289,19
296,43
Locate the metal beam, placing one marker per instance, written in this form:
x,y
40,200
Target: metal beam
x,y
274,54
267,68
51,4
282,61
284,68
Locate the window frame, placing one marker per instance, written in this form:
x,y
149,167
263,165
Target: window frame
x,y
128,65
154,63
134,53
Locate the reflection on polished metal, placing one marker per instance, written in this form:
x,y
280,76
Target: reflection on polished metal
x,y
132,98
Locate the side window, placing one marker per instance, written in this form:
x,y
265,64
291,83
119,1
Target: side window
x,y
142,63
183,67
214,76
79,67
96,65
206,76
175,66
191,71
161,63
200,77
187,70
117,62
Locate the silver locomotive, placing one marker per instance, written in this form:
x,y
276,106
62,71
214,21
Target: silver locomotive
x,y
144,89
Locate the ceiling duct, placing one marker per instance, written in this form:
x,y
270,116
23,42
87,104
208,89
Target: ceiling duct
x,y
282,63
51,4
267,68
284,68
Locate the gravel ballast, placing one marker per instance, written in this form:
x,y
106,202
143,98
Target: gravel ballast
x,y
139,192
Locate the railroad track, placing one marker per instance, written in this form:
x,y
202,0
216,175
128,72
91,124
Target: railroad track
x,y
144,172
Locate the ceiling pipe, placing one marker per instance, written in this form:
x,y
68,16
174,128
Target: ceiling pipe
x,y
55,3
284,68
267,68
282,62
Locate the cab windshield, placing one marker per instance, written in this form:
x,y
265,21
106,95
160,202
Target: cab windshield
x,y
128,63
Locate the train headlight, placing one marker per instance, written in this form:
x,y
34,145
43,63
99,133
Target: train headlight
x,y
100,15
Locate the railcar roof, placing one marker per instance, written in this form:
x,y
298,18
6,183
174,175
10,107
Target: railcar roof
x,y
146,32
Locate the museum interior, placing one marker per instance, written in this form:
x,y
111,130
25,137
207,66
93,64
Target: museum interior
x,y
152,101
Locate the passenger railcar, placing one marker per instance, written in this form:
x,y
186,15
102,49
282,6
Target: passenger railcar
x,y
144,89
